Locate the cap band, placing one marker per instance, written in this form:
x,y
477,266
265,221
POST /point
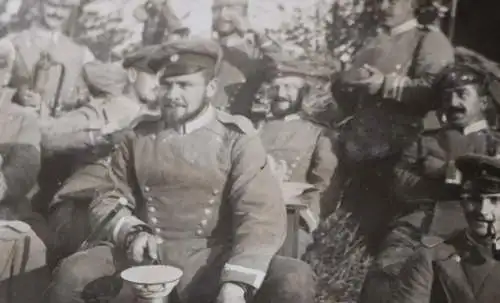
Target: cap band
x,y
188,63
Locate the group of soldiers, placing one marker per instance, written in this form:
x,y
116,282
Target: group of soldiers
x,y
160,159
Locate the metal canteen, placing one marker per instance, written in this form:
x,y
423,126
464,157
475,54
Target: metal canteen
x,y
152,283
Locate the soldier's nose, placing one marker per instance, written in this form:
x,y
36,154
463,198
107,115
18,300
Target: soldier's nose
x,y
487,208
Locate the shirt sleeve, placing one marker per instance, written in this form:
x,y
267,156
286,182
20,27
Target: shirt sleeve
x,y
259,215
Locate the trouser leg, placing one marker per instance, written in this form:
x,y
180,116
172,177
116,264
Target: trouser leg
x,y
287,281
86,276
68,224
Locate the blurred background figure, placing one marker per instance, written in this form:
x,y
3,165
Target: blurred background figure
x,y
54,62
246,55
160,22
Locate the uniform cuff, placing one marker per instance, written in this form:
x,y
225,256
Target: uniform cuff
x,y
124,226
242,274
3,186
393,86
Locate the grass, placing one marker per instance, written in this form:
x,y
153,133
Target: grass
x,y
339,259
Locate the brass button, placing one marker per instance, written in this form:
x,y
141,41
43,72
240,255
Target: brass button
x,y
294,165
215,192
151,209
149,199
157,230
147,189
204,222
154,220
211,201
199,232
207,211
159,240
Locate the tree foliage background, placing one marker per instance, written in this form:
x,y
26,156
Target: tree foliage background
x,y
320,28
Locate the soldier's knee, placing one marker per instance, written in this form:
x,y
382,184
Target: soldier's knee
x,y
74,273
294,281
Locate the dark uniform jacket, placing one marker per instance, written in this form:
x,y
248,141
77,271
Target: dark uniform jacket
x,y
458,270
421,175
307,149
208,195
410,57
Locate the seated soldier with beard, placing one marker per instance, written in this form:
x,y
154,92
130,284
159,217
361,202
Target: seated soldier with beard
x,y
463,267
199,195
303,148
425,178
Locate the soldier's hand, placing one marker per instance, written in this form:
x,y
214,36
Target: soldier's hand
x,y
143,248
374,79
231,293
29,98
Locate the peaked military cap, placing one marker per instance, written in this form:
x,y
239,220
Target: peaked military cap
x,y
145,59
480,174
187,56
460,75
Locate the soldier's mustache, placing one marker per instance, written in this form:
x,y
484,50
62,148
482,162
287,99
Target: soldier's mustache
x,y
454,110
478,217
174,103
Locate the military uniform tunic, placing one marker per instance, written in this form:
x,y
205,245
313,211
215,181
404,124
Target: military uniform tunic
x,y
458,270
410,58
425,203
308,152
206,194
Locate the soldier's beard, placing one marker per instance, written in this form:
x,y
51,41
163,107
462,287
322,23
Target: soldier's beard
x,y
176,114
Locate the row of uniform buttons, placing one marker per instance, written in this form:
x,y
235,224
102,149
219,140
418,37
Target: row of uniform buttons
x,y
203,223
152,210
207,212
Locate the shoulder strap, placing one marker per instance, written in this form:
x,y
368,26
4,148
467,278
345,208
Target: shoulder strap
x,y
422,33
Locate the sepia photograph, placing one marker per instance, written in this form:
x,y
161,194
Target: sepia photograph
x,y
249,151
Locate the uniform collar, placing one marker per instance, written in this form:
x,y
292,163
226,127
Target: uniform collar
x,y
41,32
475,127
203,119
403,27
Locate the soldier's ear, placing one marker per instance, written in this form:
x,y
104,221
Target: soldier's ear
x,y
212,87
131,75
